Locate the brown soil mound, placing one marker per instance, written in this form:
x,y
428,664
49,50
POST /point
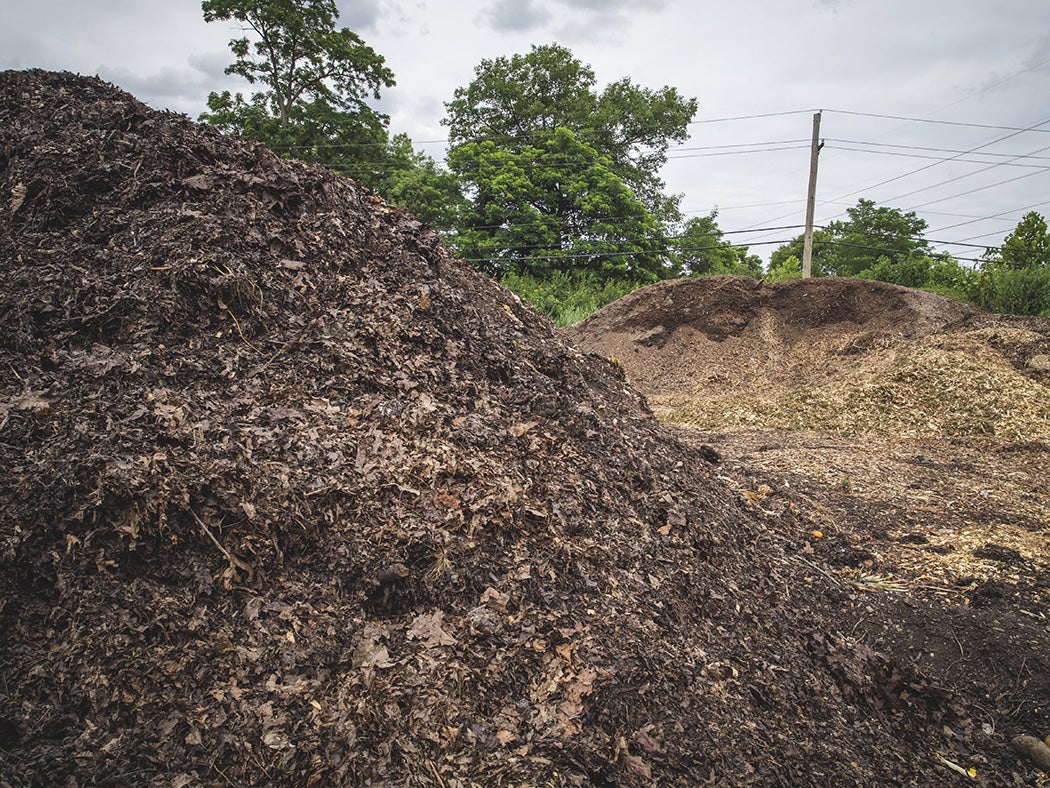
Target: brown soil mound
x,y
846,355
293,497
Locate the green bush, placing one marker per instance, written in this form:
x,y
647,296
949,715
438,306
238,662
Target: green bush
x,y
1016,291
786,270
567,298
911,271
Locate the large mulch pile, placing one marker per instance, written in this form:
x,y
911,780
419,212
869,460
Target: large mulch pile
x,y
291,496
844,355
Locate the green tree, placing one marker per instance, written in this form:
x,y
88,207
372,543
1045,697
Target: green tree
x,y
873,238
785,269
559,176
415,182
701,249
1028,245
1015,279
873,232
318,81
554,206
782,256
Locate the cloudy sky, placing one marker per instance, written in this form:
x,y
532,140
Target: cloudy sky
x,y
936,106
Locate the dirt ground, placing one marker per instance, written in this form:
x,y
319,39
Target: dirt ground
x,y
292,496
900,438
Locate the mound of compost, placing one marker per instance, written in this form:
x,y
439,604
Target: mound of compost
x,y
291,496
849,356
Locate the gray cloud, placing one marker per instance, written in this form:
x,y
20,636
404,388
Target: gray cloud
x,y
516,16
177,89
359,15
615,6
584,18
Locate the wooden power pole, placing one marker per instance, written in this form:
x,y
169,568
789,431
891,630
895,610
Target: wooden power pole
x,y
811,199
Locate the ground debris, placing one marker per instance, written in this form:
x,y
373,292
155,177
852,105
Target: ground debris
x,y
292,496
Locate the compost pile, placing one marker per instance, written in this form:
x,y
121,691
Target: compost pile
x,y
849,356
292,496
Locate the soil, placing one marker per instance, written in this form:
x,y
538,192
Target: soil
x,y
292,496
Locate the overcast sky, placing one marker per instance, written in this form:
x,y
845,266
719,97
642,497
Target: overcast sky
x,y
979,67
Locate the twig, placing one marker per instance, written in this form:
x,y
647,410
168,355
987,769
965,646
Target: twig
x,y
241,333
437,774
235,563
816,568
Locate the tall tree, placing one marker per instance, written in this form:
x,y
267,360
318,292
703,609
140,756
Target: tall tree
x,y
318,82
872,232
1027,246
559,176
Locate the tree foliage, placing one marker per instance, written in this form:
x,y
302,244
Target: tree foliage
x,y
1016,277
317,79
1028,245
701,249
873,232
787,259
415,182
558,176
553,206
872,239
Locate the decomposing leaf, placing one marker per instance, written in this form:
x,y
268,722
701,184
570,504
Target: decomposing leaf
x,y
427,627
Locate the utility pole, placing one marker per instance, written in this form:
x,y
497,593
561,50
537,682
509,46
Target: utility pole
x,y
811,199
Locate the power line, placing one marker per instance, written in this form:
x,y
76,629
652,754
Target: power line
x,y
900,153
941,122
735,145
882,249
970,191
936,150
631,253
974,220
932,158
938,163
529,247
731,153
750,117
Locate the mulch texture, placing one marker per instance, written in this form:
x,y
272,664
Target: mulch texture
x,y
291,496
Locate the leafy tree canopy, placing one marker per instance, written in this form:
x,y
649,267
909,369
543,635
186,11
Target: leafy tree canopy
x,y
318,81
512,100
559,176
872,232
702,249
415,182
1027,246
553,206
788,257
871,238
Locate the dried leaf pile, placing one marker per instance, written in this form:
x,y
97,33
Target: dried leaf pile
x,y
292,496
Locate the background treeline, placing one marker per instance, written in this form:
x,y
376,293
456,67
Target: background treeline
x,y
551,183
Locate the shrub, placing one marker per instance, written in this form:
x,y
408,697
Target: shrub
x,y
1017,291
567,298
